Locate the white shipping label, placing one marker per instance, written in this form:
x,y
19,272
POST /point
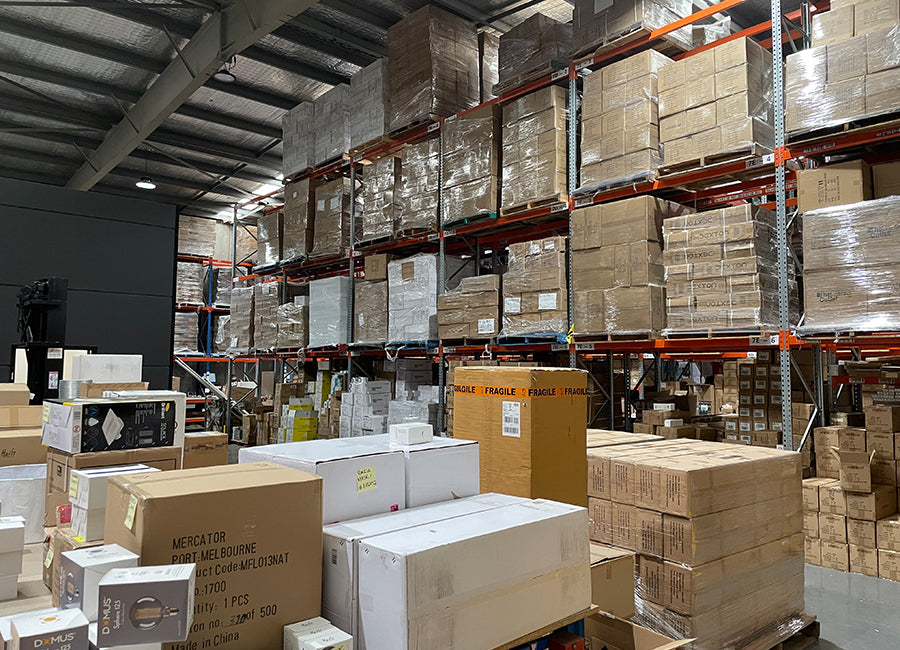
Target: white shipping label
x,y
362,318
546,301
320,205
512,306
335,203
512,419
485,325
534,248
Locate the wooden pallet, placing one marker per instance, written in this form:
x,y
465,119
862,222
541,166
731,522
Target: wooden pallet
x,y
562,197
810,136
745,153
607,186
527,77
465,221
368,146
399,133
667,46
405,233
609,337
787,639
468,341
331,162
374,241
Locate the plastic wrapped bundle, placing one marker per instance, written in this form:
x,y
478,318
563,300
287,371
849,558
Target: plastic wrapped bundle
x,y
535,300
332,230
186,332
299,212
189,283
222,287
331,123
532,48
329,306
268,239
246,244
266,299
489,63
196,236
400,411
299,137
371,312
379,202
473,311
471,152
240,326
417,192
220,334
433,66
850,267
369,90
596,23
534,147
293,324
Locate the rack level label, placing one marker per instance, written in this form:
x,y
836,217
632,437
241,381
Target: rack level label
x,y
764,341
583,203
559,347
434,127
433,237
559,74
559,207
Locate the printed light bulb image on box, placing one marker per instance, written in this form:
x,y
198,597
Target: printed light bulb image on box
x,y
146,605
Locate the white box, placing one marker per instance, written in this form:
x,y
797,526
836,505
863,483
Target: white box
x,y
92,637
295,631
178,397
411,433
674,422
11,563
81,571
340,561
147,604
87,487
6,627
88,524
12,545
23,494
329,305
108,368
440,470
358,479
61,630
9,587
330,639
480,579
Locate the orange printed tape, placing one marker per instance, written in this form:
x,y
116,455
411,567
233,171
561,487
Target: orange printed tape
x,y
518,393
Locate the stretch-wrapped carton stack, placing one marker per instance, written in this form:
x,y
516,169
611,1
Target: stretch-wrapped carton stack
x,y
186,332
196,236
596,23
299,136
534,47
332,229
299,213
716,103
534,147
189,283
617,263
535,300
717,529
369,92
417,191
331,123
371,312
412,295
268,239
329,306
620,127
432,66
293,323
850,268
720,270
266,300
488,63
472,311
471,152
379,198
239,336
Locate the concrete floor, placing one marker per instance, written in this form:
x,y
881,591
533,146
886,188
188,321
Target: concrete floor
x,y
856,612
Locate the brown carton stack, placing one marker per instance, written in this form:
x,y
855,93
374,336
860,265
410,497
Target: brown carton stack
x,y
850,266
473,311
379,198
720,270
332,230
533,48
268,239
266,300
371,312
432,66
717,529
471,152
596,23
239,331
620,122
293,323
534,147
299,212
331,123
535,300
618,274
299,138
716,103
370,101
417,191
488,63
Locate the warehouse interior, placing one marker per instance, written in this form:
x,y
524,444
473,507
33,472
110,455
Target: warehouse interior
x,y
561,324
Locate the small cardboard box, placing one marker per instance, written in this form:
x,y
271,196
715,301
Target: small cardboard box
x,y
14,395
22,447
887,533
852,439
832,499
832,528
81,571
883,418
856,470
20,417
835,556
812,551
838,184
811,524
205,449
605,631
863,560
878,504
612,580
861,533
811,492
889,564
884,444
58,631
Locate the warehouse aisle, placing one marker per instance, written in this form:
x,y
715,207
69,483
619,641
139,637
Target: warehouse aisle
x,y
856,612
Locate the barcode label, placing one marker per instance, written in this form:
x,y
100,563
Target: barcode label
x,y
559,74
512,419
334,556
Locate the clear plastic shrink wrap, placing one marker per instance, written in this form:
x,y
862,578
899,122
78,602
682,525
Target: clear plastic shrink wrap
x,y
369,90
189,283
417,192
535,300
268,239
266,299
329,306
489,62
293,323
471,152
298,215
473,310
433,65
299,137
187,330
596,23
240,325
332,229
196,236
534,147
371,312
379,198
331,123
851,272
535,46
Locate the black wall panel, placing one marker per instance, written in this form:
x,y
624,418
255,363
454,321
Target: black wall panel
x,y
118,255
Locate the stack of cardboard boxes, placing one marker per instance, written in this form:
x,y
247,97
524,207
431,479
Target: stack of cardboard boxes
x,y
299,139
331,123
433,64
488,63
369,93
617,265
292,320
717,530
720,270
268,238
332,224
852,70
471,152
534,47
329,307
364,408
717,102
370,307
379,198
188,283
534,148
297,421
620,122
196,236
535,300
266,300
297,226
849,509
472,311
417,191
187,327
597,23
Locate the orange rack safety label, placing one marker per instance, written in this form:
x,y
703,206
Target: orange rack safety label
x,y
518,393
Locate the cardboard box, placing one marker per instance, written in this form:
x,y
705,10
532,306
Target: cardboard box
x,y
205,449
22,447
861,533
889,564
878,504
883,418
530,426
863,560
856,470
652,583
812,551
837,184
495,582
611,632
832,528
852,439
81,571
20,417
811,492
62,539
66,629
612,580
886,180
832,499
835,556
887,532
601,514
376,266
14,395
176,517
811,524
832,26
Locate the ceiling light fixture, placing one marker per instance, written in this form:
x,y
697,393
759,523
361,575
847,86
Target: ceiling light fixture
x,y
224,76
146,183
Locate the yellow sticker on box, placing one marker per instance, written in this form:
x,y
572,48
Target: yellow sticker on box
x,y
48,559
73,487
365,479
132,508
45,412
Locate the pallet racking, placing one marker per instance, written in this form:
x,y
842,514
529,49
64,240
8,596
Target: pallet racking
x,y
766,180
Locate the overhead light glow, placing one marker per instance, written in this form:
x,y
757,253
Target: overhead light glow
x,y
224,76
146,183
268,189
279,177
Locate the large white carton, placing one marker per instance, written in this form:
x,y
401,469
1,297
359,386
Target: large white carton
x,y
12,545
108,368
340,561
23,493
479,579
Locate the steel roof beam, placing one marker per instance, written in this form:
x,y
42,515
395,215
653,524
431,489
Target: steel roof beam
x,y
351,8
314,26
294,35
